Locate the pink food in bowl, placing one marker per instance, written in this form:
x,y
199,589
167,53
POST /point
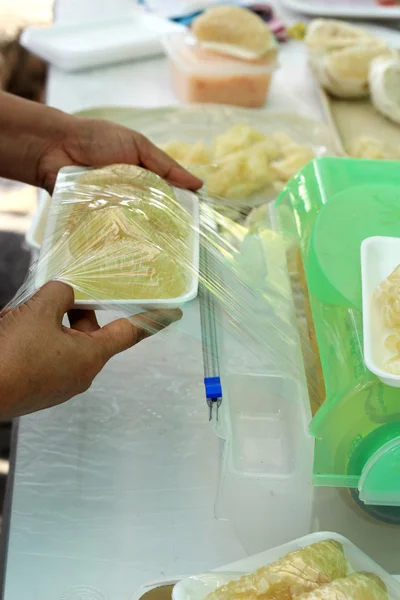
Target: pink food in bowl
x,y
200,75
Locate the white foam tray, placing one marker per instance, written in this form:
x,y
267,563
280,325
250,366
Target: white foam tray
x,y
86,45
350,9
198,587
380,256
187,199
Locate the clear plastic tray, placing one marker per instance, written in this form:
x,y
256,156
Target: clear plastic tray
x,y
200,75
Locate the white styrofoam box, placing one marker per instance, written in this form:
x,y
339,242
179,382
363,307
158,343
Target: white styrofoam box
x,y
199,586
187,199
380,256
86,45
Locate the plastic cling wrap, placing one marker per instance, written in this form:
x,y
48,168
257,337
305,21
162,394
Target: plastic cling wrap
x,y
284,299
128,242
125,240
116,245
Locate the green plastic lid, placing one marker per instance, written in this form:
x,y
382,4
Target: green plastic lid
x,y
333,265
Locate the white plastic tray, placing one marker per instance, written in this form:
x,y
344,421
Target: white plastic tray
x,y
350,9
87,45
197,587
379,257
187,199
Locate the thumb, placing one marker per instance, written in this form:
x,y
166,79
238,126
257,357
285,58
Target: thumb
x,y
55,298
125,333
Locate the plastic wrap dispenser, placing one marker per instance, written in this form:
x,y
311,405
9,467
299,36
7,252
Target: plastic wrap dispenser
x,y
329,208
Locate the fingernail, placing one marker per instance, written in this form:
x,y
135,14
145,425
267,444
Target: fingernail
x,y
174,314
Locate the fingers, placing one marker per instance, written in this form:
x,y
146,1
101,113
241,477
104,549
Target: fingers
x,y
83,320
156,320
157,161
125,333
56,297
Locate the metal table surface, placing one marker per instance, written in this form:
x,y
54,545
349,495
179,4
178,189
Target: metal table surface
x,y
116,488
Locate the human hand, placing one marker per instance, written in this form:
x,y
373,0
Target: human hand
x,y
98,143
43,363
37,141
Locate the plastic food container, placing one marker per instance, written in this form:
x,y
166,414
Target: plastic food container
x,y
201,75
56,254
197,587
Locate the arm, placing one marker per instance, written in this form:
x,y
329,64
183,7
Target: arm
x,y
43,363
26,131
37,141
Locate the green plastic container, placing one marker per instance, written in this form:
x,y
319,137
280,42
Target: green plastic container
x,y
331,206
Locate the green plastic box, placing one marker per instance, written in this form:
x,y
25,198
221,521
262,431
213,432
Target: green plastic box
x,y
331,206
